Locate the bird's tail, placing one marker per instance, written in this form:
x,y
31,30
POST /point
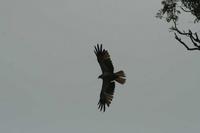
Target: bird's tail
x,y
120,77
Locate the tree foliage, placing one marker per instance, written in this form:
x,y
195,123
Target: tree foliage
x,y
192,6
171,10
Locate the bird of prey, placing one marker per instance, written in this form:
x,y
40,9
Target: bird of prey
x,y
108,76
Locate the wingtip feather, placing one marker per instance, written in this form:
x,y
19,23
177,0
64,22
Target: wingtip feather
x,y
101,47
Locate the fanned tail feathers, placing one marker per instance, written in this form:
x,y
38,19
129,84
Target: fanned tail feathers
x,y
120,77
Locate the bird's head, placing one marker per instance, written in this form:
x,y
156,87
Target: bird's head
x,y
100,76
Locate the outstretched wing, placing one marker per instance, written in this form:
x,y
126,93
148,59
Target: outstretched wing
x,y
106,95
103,58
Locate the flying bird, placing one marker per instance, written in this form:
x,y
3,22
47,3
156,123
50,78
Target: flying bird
x,y
108,76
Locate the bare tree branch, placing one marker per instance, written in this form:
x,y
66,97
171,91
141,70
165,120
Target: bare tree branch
x,y
179,39
185,10
193,37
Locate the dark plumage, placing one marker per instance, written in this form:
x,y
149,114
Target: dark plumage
x,y
108,76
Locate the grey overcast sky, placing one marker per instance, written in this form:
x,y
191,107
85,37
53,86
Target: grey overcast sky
x,y
48,71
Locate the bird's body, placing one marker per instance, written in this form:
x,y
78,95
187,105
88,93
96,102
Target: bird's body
x,y
108,76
